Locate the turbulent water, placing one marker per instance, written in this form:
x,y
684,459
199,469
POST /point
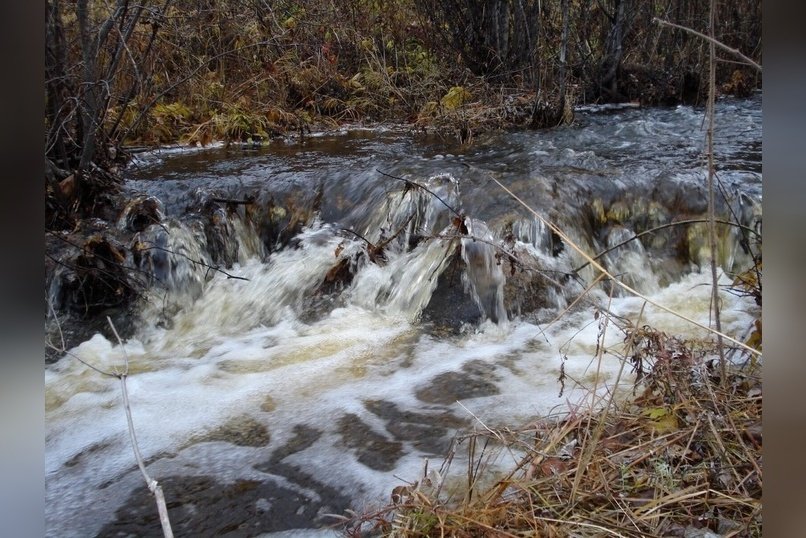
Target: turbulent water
x,y
372,319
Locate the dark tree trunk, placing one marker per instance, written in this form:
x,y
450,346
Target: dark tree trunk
x,y
494,37
89,95
563,52
57,89
87,64
611,63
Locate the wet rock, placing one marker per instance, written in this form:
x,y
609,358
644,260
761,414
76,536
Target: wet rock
x,y
473,382
451,306
279,219
483,275
215,214
430,433
140,213
340,276
203,506
241,431
304,437
527,291
372,448
618,212
222,242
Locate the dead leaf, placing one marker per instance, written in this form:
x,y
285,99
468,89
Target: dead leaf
x,y
661,420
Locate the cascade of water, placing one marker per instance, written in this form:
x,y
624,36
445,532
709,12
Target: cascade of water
x,y
420,212
533,232
483,276
261,387
404,285
629,261
176,255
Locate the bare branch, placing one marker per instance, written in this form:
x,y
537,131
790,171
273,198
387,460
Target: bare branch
x,y
618,282
711,40
711,193
153,485
199,262
426,189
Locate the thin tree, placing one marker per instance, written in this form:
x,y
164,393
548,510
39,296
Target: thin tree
x,y
711,191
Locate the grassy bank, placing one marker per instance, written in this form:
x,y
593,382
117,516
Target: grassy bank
x,y
190,72
679,455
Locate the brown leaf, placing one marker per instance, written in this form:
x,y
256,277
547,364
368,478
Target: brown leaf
x,y
554,466
753,433
67,186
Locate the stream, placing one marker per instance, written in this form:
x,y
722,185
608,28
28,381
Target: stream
x,y
345,325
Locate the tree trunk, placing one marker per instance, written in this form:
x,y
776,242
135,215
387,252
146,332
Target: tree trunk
x,y
614,52
563,52
56,87
88,99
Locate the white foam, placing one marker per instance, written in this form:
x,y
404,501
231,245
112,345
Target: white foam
x,y
231,355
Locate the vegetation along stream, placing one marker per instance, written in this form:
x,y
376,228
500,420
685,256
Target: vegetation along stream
x,y
321,315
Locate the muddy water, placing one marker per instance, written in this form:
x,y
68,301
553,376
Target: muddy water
x,y
263,403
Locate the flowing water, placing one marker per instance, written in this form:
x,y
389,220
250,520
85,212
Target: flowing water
x,y
371,320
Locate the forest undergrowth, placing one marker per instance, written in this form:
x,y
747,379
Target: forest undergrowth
x,y
237,70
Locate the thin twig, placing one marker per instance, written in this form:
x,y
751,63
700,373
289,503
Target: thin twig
x,y
153,485
199,262
426,189
712,194
580,524
626,287
589,444
711,40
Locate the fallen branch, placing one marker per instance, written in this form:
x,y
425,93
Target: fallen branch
x,y
199,262
152,484
709,137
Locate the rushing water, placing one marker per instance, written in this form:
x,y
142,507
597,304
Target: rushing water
x,y
264,402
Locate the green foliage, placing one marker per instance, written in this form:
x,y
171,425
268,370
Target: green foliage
x,y
168,121
240,125
456,97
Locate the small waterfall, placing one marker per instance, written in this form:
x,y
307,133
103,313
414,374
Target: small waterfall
x,y
286,334
403,287
248,240
260,293
628,260
534,232
417,212
483,276
175,255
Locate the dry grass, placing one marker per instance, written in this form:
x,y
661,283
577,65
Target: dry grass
x,y
681,456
